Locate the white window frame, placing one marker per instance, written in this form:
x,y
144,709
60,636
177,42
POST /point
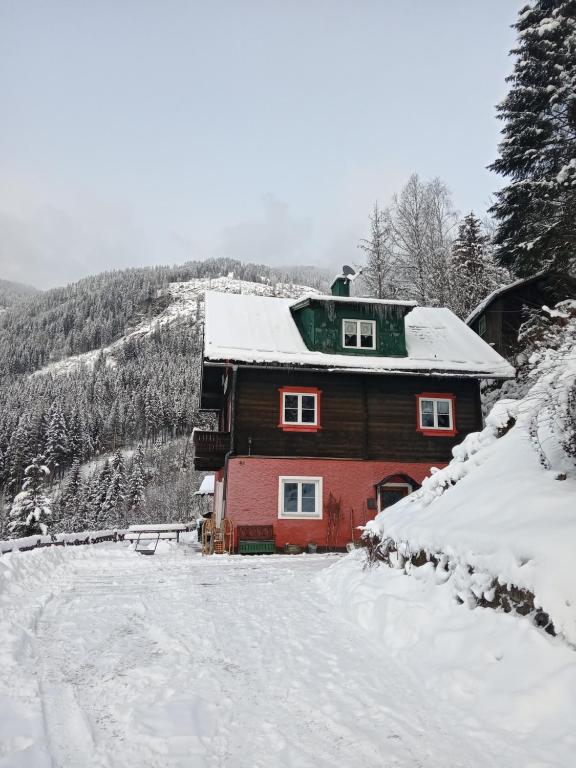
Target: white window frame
x,y
299,422
317,515
436,400
352,320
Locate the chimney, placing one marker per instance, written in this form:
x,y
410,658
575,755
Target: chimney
x,y
340,285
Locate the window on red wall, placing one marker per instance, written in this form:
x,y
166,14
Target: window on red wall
x,y
299,409
436,414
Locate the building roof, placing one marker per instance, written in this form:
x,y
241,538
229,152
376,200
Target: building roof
x,y
206,486
260,330
504,289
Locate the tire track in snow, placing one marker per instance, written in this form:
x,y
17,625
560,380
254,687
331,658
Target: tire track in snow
x,y
180,661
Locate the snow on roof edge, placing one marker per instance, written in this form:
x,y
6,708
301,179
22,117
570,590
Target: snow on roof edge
x,y
354,300
507,371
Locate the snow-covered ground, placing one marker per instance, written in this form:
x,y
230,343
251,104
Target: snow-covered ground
x,y
113,659
186,302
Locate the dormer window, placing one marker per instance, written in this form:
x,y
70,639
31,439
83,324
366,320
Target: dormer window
x,y
359,334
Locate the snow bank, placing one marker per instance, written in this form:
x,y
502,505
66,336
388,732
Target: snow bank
x,y
496,674
504,508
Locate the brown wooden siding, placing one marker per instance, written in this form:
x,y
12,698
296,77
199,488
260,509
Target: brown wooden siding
x,y
363,416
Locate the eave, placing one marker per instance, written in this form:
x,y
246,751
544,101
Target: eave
x,y
425,373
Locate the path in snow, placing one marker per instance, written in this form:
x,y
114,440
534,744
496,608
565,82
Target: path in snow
x,y
176,660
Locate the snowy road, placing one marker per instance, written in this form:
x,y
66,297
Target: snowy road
x,y
176,660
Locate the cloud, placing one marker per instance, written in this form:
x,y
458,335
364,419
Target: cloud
x,y
275,238
45,245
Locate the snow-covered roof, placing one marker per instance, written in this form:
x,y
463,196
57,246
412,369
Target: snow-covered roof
x,y
485,303
206,486
261,330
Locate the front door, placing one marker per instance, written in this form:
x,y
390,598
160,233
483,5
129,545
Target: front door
x,y
393,492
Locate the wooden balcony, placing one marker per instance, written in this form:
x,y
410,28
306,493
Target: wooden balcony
x,y
210,449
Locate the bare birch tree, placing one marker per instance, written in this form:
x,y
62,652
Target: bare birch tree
x,y
411,244
422,222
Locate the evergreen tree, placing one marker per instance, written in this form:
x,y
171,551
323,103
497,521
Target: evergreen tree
x,y
113,506
17,457
96,497
135,496
79,439
70,497
474,271
81,520
377,272
536,210
57,446
31,509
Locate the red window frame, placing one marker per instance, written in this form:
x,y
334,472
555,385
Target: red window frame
x,y
436,431
290,426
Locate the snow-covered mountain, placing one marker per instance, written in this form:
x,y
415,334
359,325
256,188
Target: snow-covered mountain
x,y
185,305
11,293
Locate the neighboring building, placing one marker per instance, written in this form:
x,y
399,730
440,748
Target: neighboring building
x,y
498,318
331,407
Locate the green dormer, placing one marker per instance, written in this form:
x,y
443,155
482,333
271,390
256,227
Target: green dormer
x,y
343,325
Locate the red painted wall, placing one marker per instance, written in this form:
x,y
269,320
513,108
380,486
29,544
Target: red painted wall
x,y
252,493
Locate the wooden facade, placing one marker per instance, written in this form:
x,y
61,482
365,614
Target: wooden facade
x,y
363,416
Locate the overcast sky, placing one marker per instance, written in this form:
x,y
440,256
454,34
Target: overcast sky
x,y
155,131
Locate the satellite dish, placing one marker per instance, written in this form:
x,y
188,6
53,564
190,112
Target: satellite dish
x,y
348,271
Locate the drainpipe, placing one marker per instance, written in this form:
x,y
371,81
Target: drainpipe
x,y
232,438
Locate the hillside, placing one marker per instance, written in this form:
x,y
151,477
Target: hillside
x,y
181,305
99,310
107,364
11,293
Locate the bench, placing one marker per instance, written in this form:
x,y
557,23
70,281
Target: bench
x,y
146,535
256,540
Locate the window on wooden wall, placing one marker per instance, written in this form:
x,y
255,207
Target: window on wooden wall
x,y
300,409
482,326
300,498
359,334
436,414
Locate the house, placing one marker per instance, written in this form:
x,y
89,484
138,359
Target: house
x,y
332,407
498,318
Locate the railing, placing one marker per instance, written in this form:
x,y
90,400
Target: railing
x,y
60,540
210,449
